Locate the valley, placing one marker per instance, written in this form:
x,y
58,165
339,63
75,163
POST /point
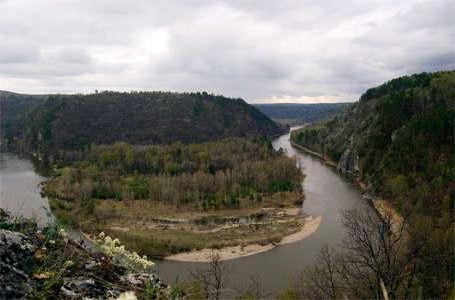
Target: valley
x,y
275,206
326,195
294,114
221,150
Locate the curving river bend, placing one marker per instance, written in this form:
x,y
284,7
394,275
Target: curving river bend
x,y
327,194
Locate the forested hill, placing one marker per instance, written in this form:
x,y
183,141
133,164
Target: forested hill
x,y
400,140
392,127
297,114
46,124
14,109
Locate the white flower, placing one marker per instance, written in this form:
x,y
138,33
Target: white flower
x,y
63,233
69,263
115,250
127,296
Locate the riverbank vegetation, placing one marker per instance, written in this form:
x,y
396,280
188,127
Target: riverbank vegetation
x,y
173,198
399,139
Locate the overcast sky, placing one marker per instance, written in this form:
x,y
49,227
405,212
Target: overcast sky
x,y
262,51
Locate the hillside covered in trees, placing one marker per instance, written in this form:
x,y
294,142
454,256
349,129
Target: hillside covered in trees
x,y
298,114
399,139
46,126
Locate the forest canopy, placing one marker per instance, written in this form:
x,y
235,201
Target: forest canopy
x,y
230,173
46,125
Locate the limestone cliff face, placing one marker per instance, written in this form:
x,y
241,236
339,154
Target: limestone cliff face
x,y
349,162
387,131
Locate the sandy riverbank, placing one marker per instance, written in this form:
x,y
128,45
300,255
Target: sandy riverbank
x,y
226,253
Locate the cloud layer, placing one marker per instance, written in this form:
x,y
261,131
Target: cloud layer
x,y
262,51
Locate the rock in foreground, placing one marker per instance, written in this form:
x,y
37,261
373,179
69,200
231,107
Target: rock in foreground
x,y
41,263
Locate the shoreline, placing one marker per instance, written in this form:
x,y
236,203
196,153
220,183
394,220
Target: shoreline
x,y
382,207
314,153
227,253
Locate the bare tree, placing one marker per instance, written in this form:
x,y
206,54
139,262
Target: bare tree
x,y
379,250
320,281
377,261
254,289
213,278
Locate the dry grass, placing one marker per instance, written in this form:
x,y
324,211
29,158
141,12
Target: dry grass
x,y
158,230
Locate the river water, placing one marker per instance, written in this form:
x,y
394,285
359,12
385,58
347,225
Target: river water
x,y
326,194
20,189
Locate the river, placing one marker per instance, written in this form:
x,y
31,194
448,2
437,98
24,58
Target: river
x,y
20,189
327,194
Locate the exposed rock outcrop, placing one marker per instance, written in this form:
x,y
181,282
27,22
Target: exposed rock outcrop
x,y
349,162
16,250
396,128
34,264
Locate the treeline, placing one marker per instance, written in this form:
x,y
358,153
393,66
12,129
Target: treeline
x,y
230,173
45,125
400,140
421,80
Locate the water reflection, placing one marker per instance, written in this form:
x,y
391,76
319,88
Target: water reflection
x,y
20,189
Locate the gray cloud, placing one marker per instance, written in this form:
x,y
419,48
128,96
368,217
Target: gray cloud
x,y
261,50
18,53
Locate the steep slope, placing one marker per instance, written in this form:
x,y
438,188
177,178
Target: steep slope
x,y
410,114
14,109
400,140
296,114
73,122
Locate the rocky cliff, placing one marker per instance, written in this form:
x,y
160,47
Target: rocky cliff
x,y
39,263
388,126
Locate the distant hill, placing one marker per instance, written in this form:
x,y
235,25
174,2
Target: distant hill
x,y
400,140
45,125
297,114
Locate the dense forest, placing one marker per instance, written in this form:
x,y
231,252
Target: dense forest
x,y
14,110
400,140
45,126
298,114
230,173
